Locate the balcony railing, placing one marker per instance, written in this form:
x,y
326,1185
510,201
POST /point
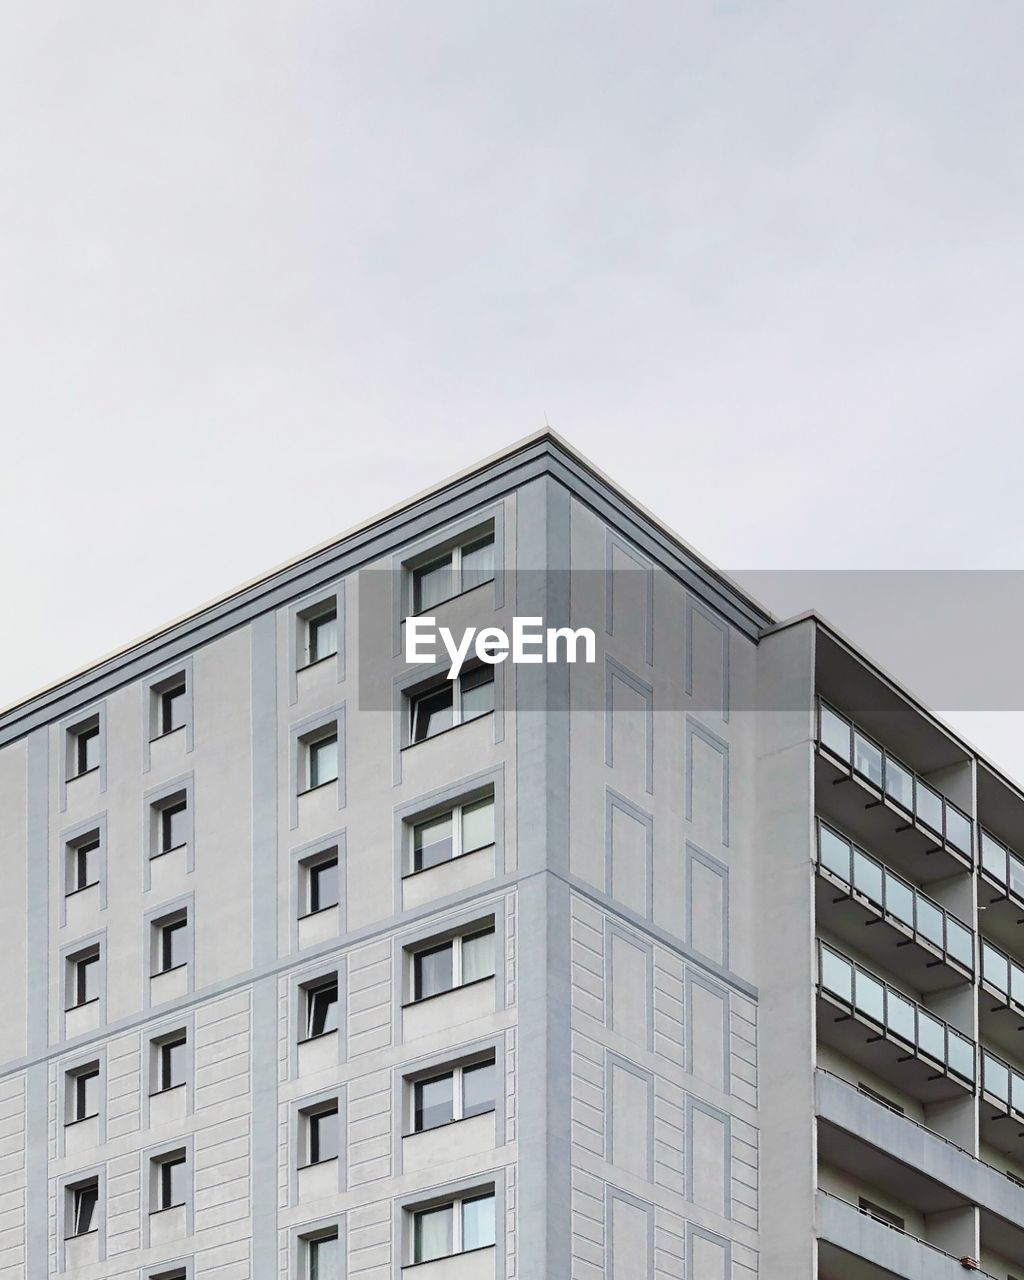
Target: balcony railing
x,y
1002,1082
1002,974
894,898
841,738
1002,866
900,1019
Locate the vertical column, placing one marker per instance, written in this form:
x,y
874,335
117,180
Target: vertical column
x,y
264,946
37,977
542,799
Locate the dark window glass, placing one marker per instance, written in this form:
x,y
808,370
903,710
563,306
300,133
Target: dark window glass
x,y
323,885
323,636
477,1089
432,712
433,1102
173,1063
173,825
85,865
323,761
322,1010
433,971
173,1182
87,750
87,979
172,709
86,1094
84,1209
323,1136
173,945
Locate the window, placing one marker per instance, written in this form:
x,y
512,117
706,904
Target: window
x,y
322,885
173,707
170,1062
882,1215
321,1008
455,963
171,943
84,1206
85,748
321,636
463,829
170,1181
322,1134
321,761
446,703
83,1093
83,862
457,1227
322,1258
463,567
458,1094
172,823
85,977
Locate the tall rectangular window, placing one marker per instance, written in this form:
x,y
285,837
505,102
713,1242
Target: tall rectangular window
x,y
322,1134
172,943
173,708
171,823
321,636
83,1091
322,760
83,862
171,1181
84,748
84,1208
321,1010
171,1062
85,978
322,1258
323,885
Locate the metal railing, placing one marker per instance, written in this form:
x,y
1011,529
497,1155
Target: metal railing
x,y
1002,866
1002,973
840,737
1001,1081
901,1019
895,898
891,1106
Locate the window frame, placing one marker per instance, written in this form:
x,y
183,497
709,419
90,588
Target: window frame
x,y
311,1117
456,940
86,842
76,1191
167,929
163,1180
79,735
308,992
453,550
73,1078
89,955
454,813
420,693
455,1202
456,1072
160,1046
311,620
311,746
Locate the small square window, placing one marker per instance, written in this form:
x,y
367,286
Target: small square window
x,y
322,1258
84,1207
171,1181
322,1134
322,760
323,885
83,1093
321,1008
84,978
173,708
172,943
170,1062
83,862
321,636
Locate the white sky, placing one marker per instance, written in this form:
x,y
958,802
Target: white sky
x,y
268,268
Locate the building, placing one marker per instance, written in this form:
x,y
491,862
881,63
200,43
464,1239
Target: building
x,y
702,961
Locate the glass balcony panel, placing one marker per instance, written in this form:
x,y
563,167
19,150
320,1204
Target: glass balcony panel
x,y
869,996
1017,1092
1016,876
995,967
835,853
867,759
899,900
929,807
867,877
930,922
958,830
931,1036
1017,984
960,942
837,975
899,784
961,1056
835,733
993,858
996,1078
901,1017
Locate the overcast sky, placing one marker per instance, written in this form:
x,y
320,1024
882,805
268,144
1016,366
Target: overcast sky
x,y
268,268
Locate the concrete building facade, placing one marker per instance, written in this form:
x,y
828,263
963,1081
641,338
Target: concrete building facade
x,y
701,961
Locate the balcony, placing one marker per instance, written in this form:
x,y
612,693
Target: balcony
x,y
888,805
1001,1110
1001,891
1001,999
872,1023
916,937
855,1245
